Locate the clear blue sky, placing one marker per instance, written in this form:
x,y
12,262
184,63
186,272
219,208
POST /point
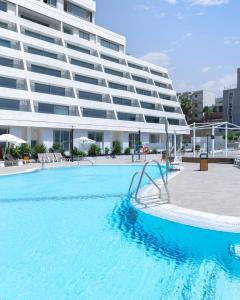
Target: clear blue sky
x,y
197,40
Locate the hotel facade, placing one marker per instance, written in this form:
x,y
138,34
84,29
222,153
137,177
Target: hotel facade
x,y
60,71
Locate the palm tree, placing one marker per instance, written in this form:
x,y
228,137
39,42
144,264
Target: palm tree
x,y
186,104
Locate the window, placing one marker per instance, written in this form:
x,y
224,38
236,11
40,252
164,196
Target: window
x,y
3,5
109,58
147,105
39,36
3,25
133,140
113,72
49,89
62,138
42,53
173,122
122,101
8,82
82,64
51,2
77,11
94,113
110,45
135,66
117,86
96,136
159,74
162,85
169,108
47,71
143,92
67,30
154,139
9,104
84,35
126,116
86,79
140,79
152,119
5,43
34,20
53,109
90,96
165,97
6,62
79,49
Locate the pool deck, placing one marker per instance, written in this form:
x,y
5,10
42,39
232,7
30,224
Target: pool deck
x,y
204,199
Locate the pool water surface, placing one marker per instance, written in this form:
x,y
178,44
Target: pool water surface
x,y
71,233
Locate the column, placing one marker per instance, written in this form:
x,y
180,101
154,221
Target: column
x,y
213,141
194,140
226,139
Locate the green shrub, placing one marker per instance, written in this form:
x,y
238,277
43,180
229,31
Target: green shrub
x,y
77,152
39,148
197,148
154,151
106,151
56,147
94,150
116,148
127,151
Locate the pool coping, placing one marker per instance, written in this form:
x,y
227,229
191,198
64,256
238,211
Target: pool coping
x,y
186,216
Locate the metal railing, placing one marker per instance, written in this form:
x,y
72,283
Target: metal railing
x,y
142,173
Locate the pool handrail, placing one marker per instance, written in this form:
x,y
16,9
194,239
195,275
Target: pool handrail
x,y
143,172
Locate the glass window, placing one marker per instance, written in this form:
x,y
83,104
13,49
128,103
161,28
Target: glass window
x,y
94,113
42,52
51,2
53,109
113,72
173,122
126,116
6,62
34,20
133,140
78,11
152,119
62,138
169,108
122,101
135,66
3,25
165,97
67,30
117,86
8,82
159,74
90,96
9,104
109,58
147,105
47,71
110,45
79,49
154,138
84,35
82,64
162,85
39,36
96,136
140,79
86,79
5,43
49,89
143,92
3,5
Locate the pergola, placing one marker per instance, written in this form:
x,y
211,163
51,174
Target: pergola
x,y
227,126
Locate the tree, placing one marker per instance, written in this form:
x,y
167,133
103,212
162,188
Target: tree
x,y
116,148
207,112
186,104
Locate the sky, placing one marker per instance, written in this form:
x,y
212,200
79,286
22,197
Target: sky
x,y
197,40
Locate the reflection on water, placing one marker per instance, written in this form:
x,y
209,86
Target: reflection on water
x,y
179,243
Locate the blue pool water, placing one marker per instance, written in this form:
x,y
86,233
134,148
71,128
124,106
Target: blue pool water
x,y
71,234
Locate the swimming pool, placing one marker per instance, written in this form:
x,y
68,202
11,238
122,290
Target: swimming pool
x,y
71,233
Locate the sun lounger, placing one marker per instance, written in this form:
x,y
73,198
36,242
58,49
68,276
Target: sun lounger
x,y
58,157
51,157
9,160
237,162
42,157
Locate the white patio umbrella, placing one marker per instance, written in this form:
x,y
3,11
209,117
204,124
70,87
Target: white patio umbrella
x,y
11,139
84,141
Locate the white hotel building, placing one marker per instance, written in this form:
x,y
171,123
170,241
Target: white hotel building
x,y
58,71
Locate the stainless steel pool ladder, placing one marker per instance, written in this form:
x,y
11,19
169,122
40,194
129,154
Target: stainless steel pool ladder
x,y
150,199
85,159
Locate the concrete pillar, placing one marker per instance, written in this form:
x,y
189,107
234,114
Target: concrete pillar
x,y
29,135
175,144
